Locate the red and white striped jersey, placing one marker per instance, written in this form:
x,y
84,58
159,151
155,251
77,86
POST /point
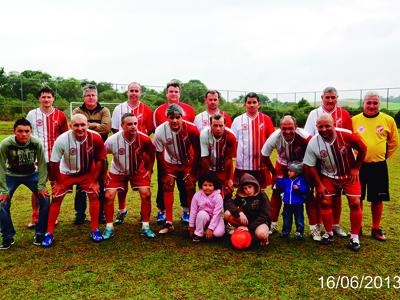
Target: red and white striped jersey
x,y
47,127
142,112
251,134
288,152
335,158
179,146
202,120
159,116
128,155
341,119
217,149
78,157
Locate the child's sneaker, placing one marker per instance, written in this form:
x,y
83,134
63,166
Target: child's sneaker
x,y
7,244
167,228
229,228
185,217
38,239
96,236
196,238
274,228
298,236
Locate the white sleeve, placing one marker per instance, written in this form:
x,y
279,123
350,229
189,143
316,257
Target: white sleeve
x,y
29,117
311,123
197,121
157,140
235,126
204,142
310,159
109,145
116,118
58,151
270,143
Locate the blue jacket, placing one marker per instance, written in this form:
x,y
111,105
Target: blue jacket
x,y
291,196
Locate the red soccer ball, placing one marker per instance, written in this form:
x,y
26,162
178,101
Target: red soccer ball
x,y
241,239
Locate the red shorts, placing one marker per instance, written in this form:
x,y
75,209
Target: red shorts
x,y
115,181
335,186
177,171
263,177
84,182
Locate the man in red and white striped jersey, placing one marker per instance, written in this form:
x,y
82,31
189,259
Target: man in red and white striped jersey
x,y
128,147
211,100
77,158
144,124
332,150
341,119
218,147
173,94
48,123
178,152
290,143
252,130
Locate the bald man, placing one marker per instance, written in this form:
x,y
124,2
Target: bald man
x,y
77,158
332,151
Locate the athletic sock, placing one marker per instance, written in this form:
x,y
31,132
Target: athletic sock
x,y
327,218
337,209
355,220
376,210
168,203
145,225
54,211
94,210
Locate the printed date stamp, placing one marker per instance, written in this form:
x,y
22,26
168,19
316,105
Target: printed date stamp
x,y
359,282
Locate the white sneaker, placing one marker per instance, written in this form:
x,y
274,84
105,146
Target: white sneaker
x,y
337,230
315,233
274,228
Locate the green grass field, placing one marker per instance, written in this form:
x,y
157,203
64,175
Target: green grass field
x,y
130,266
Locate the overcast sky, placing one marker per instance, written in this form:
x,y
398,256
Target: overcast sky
x,y
271,46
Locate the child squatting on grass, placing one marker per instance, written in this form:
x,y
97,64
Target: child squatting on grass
x,y
249,209
206,210
295,190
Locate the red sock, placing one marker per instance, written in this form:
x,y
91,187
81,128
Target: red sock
x,y
311,208
355,220
168,203
94,210
122,198
109,210
35,209
146,209
337,209
376,210
327,218
53,213
275,206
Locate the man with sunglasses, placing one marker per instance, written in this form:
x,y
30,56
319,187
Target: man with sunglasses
x,y
211,100
341,119
379,133
144,116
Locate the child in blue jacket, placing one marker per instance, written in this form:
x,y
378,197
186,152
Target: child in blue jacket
x,y
295,189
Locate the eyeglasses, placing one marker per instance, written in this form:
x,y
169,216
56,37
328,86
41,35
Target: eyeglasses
x,y
330,97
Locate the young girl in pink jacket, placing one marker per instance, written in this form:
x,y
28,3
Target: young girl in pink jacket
x,y
206,210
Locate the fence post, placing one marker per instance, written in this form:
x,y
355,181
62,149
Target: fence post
x,y
22,95
315,99
227,96
387,99
361,98
295,97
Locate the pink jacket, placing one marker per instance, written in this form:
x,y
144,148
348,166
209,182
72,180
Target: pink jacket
x,y
212,204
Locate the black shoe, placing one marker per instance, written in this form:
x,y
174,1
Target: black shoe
x,y
38,239
7,244
326,239
354,244
196,238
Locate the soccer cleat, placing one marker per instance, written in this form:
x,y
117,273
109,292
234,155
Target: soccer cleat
x,y
316,233
96,236
274,228
326,239
378,235
32,225
229,228
337,230
185,217
354,244
7,244
147,232
38,239
48,240
108,233
298,236
161,217
120,219
196,238
167,228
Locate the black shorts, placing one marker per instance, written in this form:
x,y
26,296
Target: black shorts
x,y
374,179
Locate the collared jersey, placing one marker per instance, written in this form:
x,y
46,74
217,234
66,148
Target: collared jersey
x,y
78,157
341,119
47,127
288,152
251,134
217,149
202,120
128,155
142,112
159,116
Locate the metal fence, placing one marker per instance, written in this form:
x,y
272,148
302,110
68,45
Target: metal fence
x,y
352,98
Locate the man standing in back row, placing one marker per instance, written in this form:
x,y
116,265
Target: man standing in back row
x,y
379,133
